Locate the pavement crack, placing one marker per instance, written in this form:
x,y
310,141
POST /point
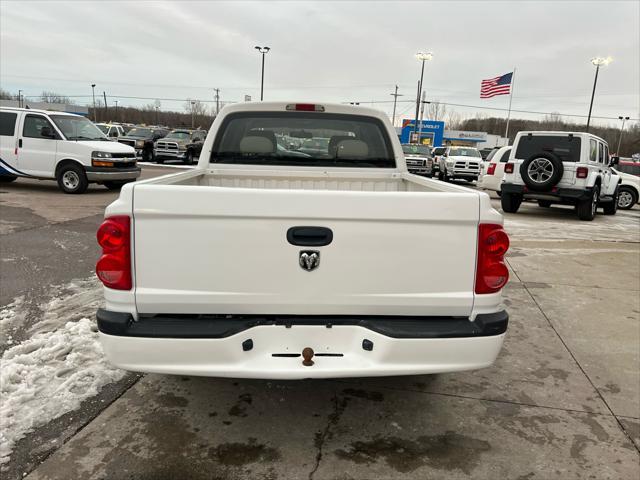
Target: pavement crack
x,y
321,437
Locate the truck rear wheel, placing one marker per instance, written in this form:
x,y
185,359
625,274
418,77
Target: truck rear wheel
x,y
510,202
72,179
586,209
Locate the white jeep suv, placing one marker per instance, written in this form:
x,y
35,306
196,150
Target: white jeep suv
x,y
570,168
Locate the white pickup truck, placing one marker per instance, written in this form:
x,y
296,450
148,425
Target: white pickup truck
x,y
265,262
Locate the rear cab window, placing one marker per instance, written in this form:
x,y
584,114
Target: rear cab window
x,y
303,139
8,123
566,147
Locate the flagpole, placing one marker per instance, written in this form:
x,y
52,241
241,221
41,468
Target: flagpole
x,y
513,82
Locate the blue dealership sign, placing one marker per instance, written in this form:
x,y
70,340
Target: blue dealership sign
x,y
431,131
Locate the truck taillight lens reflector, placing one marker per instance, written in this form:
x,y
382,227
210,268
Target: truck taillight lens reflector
x,y
582,172
114,266
491,273
492,169
508,168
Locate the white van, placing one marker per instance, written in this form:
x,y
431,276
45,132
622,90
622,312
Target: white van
x,y
49,145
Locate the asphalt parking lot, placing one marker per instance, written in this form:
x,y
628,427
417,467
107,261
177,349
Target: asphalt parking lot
x,y
562,400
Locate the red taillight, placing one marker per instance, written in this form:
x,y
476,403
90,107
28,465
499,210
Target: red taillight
x,y
305,107
582,172
114,266
508,168
492,169
491,273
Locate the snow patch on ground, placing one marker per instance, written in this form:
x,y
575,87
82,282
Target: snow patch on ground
x,y
57,368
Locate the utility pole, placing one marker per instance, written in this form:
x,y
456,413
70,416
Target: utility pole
x,y
117,118
193,109
93,94
106,112
217,90
19,98
395,96
624,119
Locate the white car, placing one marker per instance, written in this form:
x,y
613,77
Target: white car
x,y
49,145
629,193
493,169
570,168
297,266
111,130
460,163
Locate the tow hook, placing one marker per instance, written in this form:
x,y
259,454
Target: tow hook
x,y
307,354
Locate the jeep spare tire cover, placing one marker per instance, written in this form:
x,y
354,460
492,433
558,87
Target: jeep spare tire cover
x,y
542,171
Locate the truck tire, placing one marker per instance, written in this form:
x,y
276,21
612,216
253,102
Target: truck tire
x,y
148,155
611,208
188,157
7,178
542,171
510,202
586,209
72,179
627,197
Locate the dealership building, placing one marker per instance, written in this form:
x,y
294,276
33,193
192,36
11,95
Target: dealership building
x,y
433,133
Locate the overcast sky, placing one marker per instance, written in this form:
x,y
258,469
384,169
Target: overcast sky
x,y
327,51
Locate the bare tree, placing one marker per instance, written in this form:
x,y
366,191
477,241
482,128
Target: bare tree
x,y
6,95
454,120
195,107
435,110
53,97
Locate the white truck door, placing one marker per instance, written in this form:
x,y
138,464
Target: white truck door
x,y
37,146
8,143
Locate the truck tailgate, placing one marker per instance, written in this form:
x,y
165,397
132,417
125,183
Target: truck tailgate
x,y
216,250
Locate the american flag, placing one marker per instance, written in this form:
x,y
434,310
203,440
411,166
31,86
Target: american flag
x,y
496,86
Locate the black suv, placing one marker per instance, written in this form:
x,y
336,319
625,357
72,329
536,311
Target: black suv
x,y
143,139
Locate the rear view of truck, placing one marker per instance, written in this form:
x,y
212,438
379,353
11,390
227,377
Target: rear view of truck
x,y
293,250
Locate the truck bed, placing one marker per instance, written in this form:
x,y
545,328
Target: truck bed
x,y
307,180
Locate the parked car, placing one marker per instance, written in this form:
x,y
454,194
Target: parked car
x,y
561,167
111,130
418,159
49,145
629,190
460,163
180,144
492,171
298,267
628,165
143,140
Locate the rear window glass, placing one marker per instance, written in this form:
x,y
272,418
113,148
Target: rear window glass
x,y
565,147
303,139
7,123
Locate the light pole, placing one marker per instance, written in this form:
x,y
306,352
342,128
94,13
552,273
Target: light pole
x,y
423,57
263,51
598,62
193,109
93,93
19,98
624,119
117,118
